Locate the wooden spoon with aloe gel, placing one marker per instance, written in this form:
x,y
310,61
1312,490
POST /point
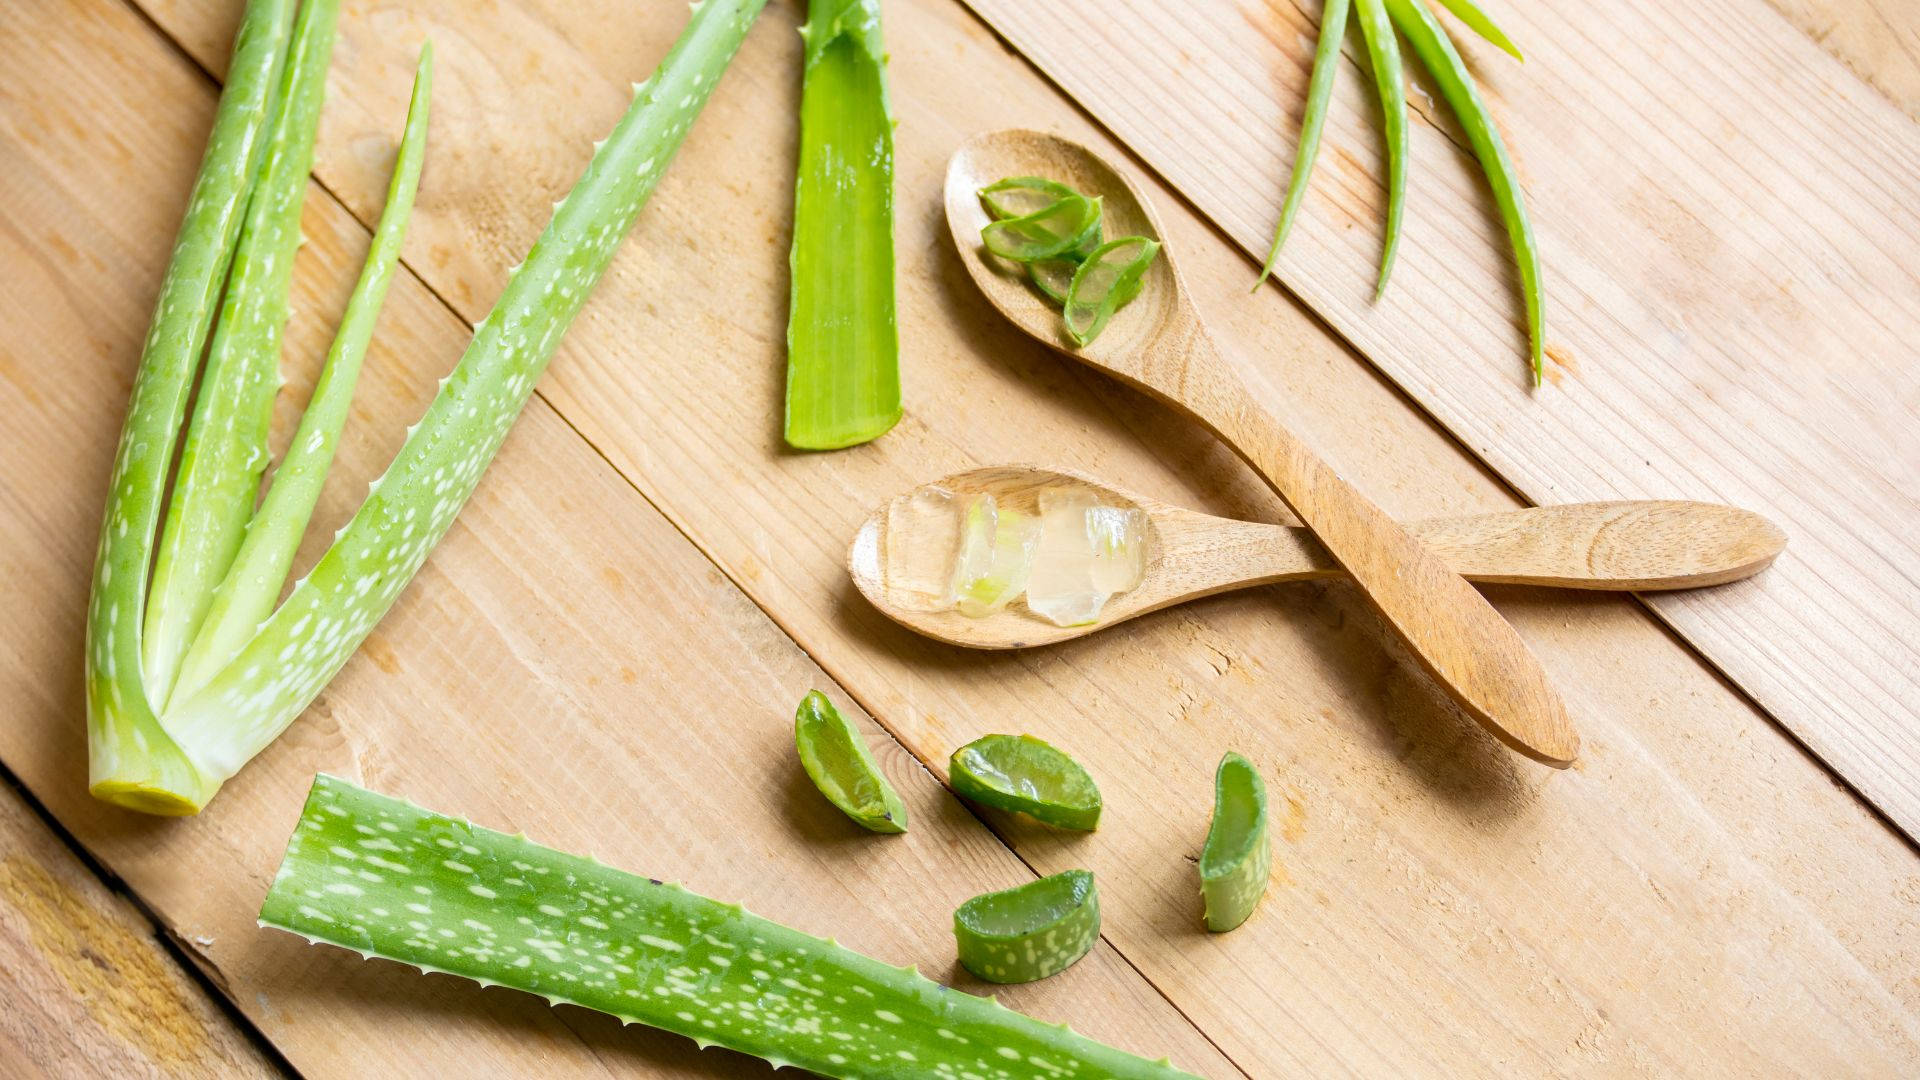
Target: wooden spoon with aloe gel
x,y
902,557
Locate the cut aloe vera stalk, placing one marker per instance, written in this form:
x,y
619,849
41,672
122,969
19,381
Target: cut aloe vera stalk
x,y
1055,230
386,878
1108,280
1023,774
1018,196
1235,863
837,760
1029,932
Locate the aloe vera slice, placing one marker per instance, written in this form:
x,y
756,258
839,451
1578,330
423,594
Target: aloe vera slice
x,y
1238,855
1054,230
1023,774
843,344
1109,280
386,878
1031,931
1018,196
838,762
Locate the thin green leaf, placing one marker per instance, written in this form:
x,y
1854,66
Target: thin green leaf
x,y
843,344
1468,12
252,584
1383,49
1326,62
130,758
1435,50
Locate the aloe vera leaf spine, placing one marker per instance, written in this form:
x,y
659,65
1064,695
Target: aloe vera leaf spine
x,y
246,595
386,878
843,341
128,752
1326,63
1389,76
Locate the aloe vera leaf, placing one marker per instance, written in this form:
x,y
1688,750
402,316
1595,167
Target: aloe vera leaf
x,y
1468,12
1018,196
252,583
1030,931
1326,63
1026,775
837,761
1109,279
1043,234
128,751
1238,855
843,342
329,612
225,451
386,878
1383,50
1435,50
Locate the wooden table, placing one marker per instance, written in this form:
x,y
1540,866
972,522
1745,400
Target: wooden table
x,y
606,650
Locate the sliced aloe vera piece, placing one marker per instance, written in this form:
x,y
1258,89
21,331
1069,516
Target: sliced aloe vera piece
x,y
386,878
995,557
1024,774
838,762
1054,230
1053,277
1018,196
1108,280
1031,931
1238,856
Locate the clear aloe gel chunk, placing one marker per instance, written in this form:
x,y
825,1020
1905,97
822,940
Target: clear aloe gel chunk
x,y
1238,855
1022,774
995,556
838,762
1109,279
1031,931
1087,554
1055,230
922,542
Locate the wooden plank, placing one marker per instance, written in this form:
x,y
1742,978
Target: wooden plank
x,y
89,990
535,676
1879,40
1730,225
1698,892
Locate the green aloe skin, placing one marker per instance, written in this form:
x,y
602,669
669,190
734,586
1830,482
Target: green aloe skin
x,y
1022,774
1238,856
386,878
1030,931
169,753
843,344
837,761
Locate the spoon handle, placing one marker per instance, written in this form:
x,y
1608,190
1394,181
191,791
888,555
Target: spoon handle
x,y
1452,631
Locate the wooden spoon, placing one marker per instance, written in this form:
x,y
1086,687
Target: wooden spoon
x,y
900,560
1158,344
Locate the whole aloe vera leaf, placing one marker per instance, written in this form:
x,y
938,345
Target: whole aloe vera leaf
x,y
1238,855
247,594
225,451
1383,50
130,757
1326,63
386,878
838,762
1468,12
329,612
1435,50
843,344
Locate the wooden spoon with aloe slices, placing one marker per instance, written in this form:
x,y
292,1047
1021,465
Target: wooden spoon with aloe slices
x,y
1158,343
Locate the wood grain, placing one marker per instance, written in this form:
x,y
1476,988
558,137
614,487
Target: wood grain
x,y
1879,40
531,677
1730,227
1699,896
89,990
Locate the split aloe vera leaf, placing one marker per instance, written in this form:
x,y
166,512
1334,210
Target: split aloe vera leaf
x,y
1030,931
383,877
1435,50
1468,12
843,342
838,762
1026,775
129,753
1326,63
1108,280
1238,855
1383,52
253,582
1043,234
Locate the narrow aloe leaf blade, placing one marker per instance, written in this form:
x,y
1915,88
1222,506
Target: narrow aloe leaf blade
x,y
1326,63
253,582
130,757
1238,856
1435,50
1468,12
1383,50
386,878
843,344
